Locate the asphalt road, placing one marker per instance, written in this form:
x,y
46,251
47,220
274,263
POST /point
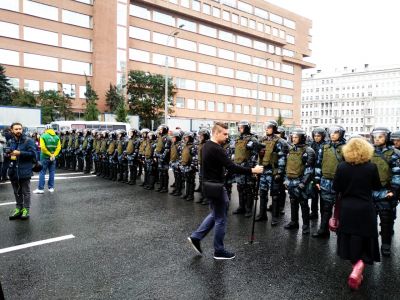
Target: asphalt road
x,y
123,242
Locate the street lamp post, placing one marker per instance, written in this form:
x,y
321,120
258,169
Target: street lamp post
x,y
172,34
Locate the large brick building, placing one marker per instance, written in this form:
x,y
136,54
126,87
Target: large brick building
x,y
222,55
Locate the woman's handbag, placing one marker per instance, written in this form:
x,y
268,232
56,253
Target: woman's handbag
x,y
334,220
213,190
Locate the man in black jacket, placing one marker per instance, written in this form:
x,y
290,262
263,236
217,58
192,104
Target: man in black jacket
x,y
214,163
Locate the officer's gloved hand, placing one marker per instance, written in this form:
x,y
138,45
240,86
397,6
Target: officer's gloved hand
x,y
277,177
301,186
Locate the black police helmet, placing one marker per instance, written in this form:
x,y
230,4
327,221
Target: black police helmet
x,y
395,135
381,130
273,124
164,128
301,134
246,126
339,129
205,133
319,130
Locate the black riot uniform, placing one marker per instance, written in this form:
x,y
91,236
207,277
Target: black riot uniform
x,y
162,153
188,165
120,155
64,150
318,136
175,157
104,164
111,150
299,172
87,148
204,136
150,162
132,154
246,154
71,151
79,150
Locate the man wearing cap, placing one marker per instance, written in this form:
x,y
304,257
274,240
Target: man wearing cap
x,y
50,146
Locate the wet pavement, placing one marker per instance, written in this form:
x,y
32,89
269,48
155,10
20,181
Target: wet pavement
x,y
131,244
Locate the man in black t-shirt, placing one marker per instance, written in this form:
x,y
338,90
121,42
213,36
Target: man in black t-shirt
x,y
214,163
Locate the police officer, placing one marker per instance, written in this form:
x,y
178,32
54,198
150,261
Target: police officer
x,y
162,153
132,153
64,150
96,153
329,156
273,158
121,159
204,136
387,159
299,172
188,165
143,143
318,140
105,169
71,150
111,150
395,138
87,148
61,156
150,161
176,152
79,150
245,156
229,177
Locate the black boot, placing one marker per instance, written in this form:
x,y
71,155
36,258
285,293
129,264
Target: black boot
x,y
152,181
164,182
249,192
386,218
132,175
275,210
262,216
305,213
240,210
185,189
294,215
323,231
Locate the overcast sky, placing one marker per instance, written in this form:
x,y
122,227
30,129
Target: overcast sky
x,y
351,32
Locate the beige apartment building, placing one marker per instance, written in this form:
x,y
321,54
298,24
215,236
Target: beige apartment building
x,y
229,59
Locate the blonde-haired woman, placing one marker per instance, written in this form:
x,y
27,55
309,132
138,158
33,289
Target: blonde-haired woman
x,y
357,234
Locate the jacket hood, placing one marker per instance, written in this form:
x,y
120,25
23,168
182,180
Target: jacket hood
x,y
50,131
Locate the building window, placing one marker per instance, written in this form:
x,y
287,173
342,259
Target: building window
x,y
40,10
85,1
226,36
9,29
243,21
238,108
121,14
180,102
208,31
10,4
76,67
187,84
14,82
225,72
75,18
290,39
139,33
242,75
206,9
121,37
225,90
261,13
216,12
50,86
69,89
229,107
161,39
139,55
243,58
211,106
246,109
186,45
235,18
77,43
159,59
206,87
245,7
163,18
82,91
220,106
201,105
191,104
241,92
226,15
260,26
206,68
9,57
226,54
31,85
40,62
138,11
185,3
244,41
186,64
207,50
252,24
195,5
188,25
260,46
275,18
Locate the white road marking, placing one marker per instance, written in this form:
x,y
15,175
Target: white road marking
x,y
56,178
60,174
6,203
38,243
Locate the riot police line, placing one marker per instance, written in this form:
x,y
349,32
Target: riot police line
x,y
303,168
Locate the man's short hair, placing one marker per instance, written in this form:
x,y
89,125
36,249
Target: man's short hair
x,y
14,124
218,126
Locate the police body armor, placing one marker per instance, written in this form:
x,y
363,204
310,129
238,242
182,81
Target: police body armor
x,y
295,166
200,150
382,163
270,158
174,152
242,154
111,148
148,151
331,158
187,155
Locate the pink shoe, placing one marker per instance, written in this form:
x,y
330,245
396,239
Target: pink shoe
x,y
356,276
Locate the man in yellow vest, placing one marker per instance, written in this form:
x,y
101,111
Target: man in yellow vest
x,y
50,147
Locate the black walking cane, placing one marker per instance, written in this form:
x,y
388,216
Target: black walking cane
x,y
252,236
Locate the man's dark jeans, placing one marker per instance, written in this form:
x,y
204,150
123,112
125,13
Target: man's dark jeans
x,y
22,192
217,217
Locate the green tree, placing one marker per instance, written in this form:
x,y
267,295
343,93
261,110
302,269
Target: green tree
x,y
91,112
113,98
23,98
55,105
146,95
121,113
280,120
5,88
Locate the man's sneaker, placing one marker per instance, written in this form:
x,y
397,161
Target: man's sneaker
x,y
224,255
25,214
16,214
37,191
195,244
51,190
